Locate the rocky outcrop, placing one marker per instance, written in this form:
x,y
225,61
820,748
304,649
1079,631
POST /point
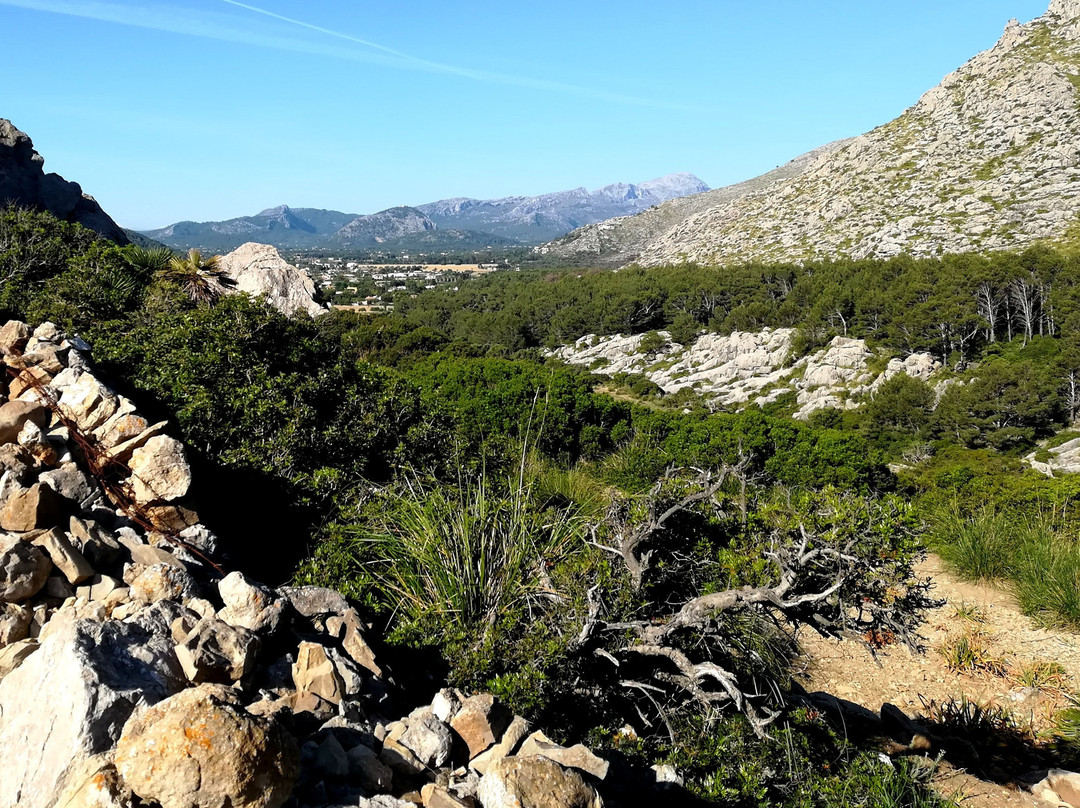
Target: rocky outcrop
x,y
987,160
134,671
258,269
23,181
751,368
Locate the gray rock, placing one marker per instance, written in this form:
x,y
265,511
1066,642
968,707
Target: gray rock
x,y
312,601
24,569
430,740
248,604
369,771
24,182
95,675
14,623
70,481
214,651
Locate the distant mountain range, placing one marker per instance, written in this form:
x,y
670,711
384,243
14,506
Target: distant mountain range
x,y
459,223
987,160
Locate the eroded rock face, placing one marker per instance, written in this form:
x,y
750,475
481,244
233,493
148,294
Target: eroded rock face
x,y
258,269
751,368
200,749
24,182
69,700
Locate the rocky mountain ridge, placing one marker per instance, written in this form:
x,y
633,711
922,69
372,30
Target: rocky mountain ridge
x,y
23,181
512,220
987,160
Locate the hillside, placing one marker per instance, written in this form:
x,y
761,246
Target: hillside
x,y
467,223
987,160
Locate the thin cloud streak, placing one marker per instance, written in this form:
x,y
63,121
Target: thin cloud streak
x,y
221,27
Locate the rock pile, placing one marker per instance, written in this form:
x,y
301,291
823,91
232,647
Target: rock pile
x,y
134,672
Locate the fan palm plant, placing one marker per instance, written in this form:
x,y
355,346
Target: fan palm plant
x,y
202,279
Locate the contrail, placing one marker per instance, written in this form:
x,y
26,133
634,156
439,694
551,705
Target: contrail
x,y
221,27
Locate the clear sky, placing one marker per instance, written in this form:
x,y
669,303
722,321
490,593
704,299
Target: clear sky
x,y
208,109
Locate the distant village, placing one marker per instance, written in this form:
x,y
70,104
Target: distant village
x,y
371,287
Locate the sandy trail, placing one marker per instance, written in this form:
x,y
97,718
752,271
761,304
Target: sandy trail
x,y
847,670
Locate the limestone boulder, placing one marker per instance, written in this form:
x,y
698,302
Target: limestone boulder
x,y
430,740
14,415
201,749
480,722
70,698
534,782
95,783
248,604
163,582
34,507
24,569
64,556
259,270
314,672
313,601
349,628
13,336
159,471
575,757
214,651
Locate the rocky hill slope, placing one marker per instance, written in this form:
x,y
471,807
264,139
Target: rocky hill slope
x,y
23,181
986,160
622,240
470,222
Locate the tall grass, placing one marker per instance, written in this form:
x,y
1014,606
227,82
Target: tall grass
x,y
1033,555
469,555
976,546
1047,579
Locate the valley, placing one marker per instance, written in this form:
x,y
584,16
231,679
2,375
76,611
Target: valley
x,y
762,496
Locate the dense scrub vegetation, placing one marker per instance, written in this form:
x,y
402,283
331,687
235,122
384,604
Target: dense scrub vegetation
x,y
626,571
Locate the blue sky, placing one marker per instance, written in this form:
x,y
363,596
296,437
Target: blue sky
x,y
208,109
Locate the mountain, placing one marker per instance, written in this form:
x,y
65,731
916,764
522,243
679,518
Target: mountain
x,y
989,159
281,226
378,228
472,222
23,181
534,219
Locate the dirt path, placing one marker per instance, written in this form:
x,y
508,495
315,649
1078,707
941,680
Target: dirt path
x,y
1014,652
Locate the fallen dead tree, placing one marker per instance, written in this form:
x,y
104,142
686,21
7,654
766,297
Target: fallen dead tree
x,y
836,563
